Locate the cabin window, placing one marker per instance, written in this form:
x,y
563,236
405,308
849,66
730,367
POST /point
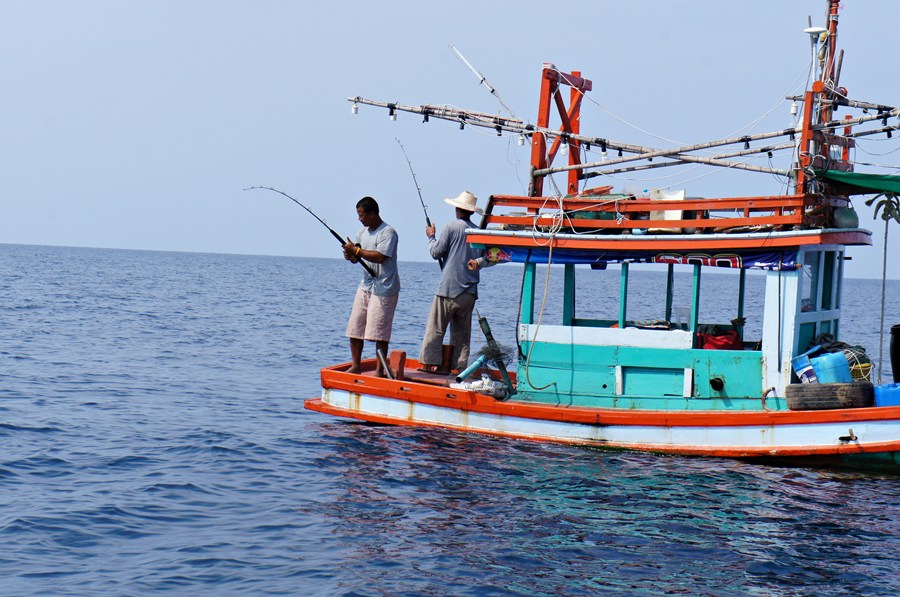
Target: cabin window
x,y
820,295
649,297
828,281
821,281
810,276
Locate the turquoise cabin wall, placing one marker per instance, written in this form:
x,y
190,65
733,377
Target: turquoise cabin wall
x,y
651,377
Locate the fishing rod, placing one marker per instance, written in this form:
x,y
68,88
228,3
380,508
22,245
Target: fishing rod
x,y
333,233
482,80
419,191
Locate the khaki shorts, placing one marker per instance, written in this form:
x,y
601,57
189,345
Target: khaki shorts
x,y
372,316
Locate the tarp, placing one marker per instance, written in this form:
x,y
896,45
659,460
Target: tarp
x,y
729,259
879,183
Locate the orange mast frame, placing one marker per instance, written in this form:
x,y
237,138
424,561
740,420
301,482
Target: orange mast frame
x,y
570,118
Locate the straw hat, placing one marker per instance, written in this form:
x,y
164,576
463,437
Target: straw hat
x,y
466,201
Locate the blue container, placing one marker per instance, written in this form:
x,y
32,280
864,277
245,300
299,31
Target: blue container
x,y
804,370
803,367
887,395
832,368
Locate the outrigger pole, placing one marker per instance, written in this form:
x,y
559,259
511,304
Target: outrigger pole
x,y
321,221
419,191
513,125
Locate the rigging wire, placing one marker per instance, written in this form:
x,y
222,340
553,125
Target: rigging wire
x,y
792,86
807,69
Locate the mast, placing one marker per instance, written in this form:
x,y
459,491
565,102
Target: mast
x,y
570,119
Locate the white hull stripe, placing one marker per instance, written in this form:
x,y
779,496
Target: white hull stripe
x,y
750,437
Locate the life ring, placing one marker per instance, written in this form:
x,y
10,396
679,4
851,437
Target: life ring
x,y
823,396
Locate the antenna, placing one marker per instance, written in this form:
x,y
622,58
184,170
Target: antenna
x,y
482,80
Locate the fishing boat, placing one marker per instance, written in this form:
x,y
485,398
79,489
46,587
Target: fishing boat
x,y
678,383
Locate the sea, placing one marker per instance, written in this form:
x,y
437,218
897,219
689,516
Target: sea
x,y
153,440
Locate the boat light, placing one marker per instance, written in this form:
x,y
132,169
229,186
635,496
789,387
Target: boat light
x,y
354,109
814,33
521,140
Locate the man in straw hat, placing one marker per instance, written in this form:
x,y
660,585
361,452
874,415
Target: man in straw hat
x,y
454,299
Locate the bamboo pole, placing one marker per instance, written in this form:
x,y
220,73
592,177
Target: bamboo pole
x,y
645,153
500,124
841,101
517,126
681,163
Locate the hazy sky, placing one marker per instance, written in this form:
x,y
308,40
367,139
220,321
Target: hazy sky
x,y
136,124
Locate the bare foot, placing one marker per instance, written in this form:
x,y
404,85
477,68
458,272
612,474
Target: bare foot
x,y
353,370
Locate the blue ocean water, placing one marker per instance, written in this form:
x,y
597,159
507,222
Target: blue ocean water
x,y
153,440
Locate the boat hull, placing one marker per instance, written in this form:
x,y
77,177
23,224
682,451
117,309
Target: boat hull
x,y
845,434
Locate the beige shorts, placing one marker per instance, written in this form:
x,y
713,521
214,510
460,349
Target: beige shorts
x,y
372,316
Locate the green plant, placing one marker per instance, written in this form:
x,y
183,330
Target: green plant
x,y
890,203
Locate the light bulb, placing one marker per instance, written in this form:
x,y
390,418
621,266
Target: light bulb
x,y
354,109
520,141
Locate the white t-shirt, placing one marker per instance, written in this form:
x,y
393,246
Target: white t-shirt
x,y
384,240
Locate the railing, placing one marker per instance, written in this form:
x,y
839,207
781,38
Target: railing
x,y
607,213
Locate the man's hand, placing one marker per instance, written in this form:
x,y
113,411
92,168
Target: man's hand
x,y
430,230
351,251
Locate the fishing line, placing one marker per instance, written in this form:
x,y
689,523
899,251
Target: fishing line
x,y
321,221
540,319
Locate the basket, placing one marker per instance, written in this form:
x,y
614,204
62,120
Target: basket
x,y
861,371
860,365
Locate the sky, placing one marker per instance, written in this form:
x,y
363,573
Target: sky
x,y
139,124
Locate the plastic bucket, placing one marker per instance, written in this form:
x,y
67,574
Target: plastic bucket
x,y
831,368
804,369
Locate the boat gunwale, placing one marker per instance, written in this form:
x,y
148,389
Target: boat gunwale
x,y
335,377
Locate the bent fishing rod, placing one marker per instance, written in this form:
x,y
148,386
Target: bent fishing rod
x,y
419,191
321,221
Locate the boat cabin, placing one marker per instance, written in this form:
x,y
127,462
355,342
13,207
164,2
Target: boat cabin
x,y
675,357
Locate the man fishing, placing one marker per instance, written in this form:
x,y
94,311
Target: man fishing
x,y
454,299
376,297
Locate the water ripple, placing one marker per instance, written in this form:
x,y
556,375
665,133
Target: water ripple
x,y
154,440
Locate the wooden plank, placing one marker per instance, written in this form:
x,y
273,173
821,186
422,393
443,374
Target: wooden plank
x,y
623,204
659,243
529,222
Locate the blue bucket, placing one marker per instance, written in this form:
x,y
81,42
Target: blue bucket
x,y
804,370
832,368
803,367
